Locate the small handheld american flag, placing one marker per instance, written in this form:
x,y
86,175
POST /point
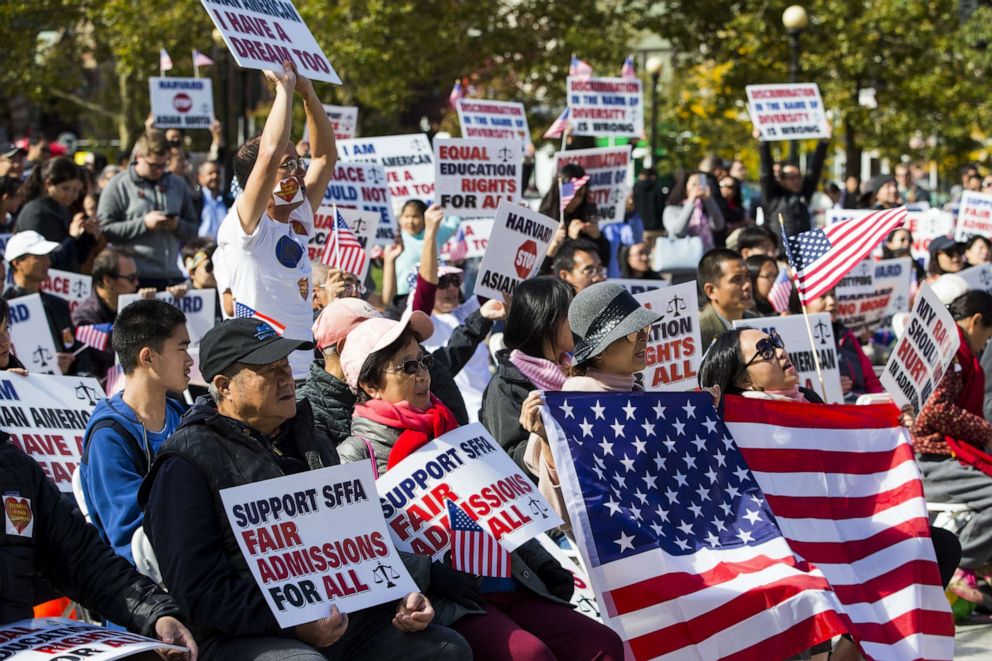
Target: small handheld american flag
x,y
627,71
456,95
242,311
560,125
778,296
579,67
456,248
473,550
570,188
343,251
94,335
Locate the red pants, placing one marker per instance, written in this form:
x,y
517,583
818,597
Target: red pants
x,y
523,627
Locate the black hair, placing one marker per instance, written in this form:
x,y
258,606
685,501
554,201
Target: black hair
x,y
144,323
886,251
933,267
551,202
374,368
8,185
723,363
975,239
968,167
679,192
419,204
4,310
711,265
970,303
107,263
754,264
627,272
565,258
753,236
199,244
244,160
55,171
539,306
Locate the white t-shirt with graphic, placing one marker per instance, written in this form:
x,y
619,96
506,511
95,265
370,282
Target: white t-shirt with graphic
x,y
474,377
269,271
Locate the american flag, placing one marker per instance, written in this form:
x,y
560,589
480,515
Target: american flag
x,y
201,60
114,381
343,250
846,491
779,294
560,125
242,311
456,248
627,70
570,188
579,68
473,550
94,335
164,61
456,95
821,257
684,554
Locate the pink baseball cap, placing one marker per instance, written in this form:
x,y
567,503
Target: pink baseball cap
x,y
340,318
378,333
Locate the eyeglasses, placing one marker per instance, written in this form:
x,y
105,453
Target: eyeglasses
x,y
293,164
636,335
156,165
131,277
411,367
593,270
353,287
446,281
765,348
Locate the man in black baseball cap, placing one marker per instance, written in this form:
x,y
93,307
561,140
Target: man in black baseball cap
x,y
11,160
251,429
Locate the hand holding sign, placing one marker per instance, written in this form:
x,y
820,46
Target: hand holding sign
x,y
325,631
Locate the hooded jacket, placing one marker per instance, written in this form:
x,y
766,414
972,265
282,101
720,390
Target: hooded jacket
x,y
501,403
332,402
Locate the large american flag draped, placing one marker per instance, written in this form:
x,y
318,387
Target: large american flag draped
x,y
685,556
846,491
821,257
474,550
343,250
242,311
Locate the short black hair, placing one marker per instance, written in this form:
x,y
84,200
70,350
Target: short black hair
x,y
420,205
970,303
723,363
975,239
565,258
144,323
711,265
244,160
4,310
753,236
108,263
539,306
374,368
200,243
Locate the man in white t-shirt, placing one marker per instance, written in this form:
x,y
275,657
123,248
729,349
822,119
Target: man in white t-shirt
x,y
263,239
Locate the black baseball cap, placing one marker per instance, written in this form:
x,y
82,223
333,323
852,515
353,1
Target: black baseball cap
x,y
245,340
942,244
9,149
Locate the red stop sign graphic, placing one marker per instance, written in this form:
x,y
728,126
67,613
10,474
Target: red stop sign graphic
x,y
182,103
526,258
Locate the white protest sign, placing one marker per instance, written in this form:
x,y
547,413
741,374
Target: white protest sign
x,y
791,111
519,239
638,286
344,122
317,539
607,185
262,35
4,238
469,467
792,329
926,226
362,223
407,159
74,288
501,120
364,186
46,417
199,306
976,277
62,639
673,353
583,597
606,106
974,216
183,103
923,353
839,215
473,175
31,336
872,292
476,232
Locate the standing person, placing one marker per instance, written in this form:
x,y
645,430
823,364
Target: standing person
x,y
909,191
209,200
762,270
263,240
621,235
946,256
635,262
750,196
8,361
734,211
578,264
977,250
790,193
50,192
899,243
726,285
968,172
150,212
649,202
10,202
412,222
692,210
12,161
579,214
882,193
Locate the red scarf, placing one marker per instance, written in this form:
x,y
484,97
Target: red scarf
x,y
971,399
419,427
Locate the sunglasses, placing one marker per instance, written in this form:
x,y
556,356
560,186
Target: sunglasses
x,y
411,367
766,348
633,337
293,164
446,281
132,278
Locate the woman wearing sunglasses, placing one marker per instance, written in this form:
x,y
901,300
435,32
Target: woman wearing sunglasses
x,y
396,414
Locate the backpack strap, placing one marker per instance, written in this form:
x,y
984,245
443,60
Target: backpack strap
x,y
368,448
125,433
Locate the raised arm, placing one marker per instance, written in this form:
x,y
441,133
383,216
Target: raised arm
x,y
323,151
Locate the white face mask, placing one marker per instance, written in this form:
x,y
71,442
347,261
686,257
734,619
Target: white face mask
x,y
287,192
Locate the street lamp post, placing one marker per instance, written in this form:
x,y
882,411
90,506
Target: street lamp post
x,y
653,67
795,20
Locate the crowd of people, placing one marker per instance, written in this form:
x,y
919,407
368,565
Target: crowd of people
x,y
363,370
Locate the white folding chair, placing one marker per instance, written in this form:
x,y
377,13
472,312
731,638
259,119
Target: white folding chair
x,y
949,516
144,556
77,492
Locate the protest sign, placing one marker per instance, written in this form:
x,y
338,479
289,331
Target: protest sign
x,y
840,215
183,103
32,339
607,185
976,277
792,111
926,226
364,186
638,286
792,329
62,639
199,306
344,122
519,239
923,353
73,288
46,416
476,233
473,175
583,597
872,292
501,120
606,107
261,35
974,216
317,539
469,467
407,160
674,347
4,238
362,223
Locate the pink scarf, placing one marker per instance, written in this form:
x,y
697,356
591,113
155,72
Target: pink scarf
x,y
540,371
699,224
418,427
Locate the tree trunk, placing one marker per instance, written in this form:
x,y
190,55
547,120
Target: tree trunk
x,y
123,130
852,152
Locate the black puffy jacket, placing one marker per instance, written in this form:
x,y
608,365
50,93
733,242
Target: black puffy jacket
x,y
501,402
55,542
331,400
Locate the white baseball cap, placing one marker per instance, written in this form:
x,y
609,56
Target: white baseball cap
x,y
27,242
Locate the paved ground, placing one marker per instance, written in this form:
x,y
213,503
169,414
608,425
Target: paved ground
x,y
974,640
